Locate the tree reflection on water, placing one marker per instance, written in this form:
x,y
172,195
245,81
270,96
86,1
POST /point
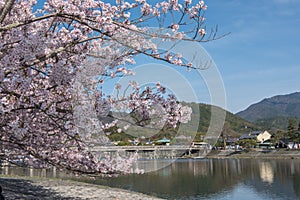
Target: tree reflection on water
x,y
206,178
209,177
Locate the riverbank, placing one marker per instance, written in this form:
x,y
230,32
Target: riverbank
x,y
48,189
19,187
256,153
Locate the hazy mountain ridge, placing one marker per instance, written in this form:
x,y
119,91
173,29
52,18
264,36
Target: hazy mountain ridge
x,y
273,112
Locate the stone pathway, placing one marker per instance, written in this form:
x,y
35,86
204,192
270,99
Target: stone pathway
x,y
46,189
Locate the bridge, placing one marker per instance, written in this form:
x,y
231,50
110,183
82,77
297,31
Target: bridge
x,y
154,152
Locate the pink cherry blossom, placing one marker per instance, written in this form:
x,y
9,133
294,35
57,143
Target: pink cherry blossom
x,y
202,32
54,64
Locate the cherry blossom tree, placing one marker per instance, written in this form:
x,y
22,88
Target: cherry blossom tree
x,y
53,55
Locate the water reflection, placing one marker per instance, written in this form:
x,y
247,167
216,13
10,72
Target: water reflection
x,y
204,179
218,179
266,172
31,172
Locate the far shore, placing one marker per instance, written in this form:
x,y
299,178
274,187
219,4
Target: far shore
x,y
255,153
24,187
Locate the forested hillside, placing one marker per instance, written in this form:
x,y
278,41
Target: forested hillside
x,y
274,112
234,126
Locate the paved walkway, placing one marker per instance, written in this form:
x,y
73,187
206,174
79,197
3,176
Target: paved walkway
x,y
46,189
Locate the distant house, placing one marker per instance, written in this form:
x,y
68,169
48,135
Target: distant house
x,y
201,145
288,143
231,141
262,137
283,143
247,136
163,141
293,145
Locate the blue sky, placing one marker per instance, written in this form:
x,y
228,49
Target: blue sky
x,y
261,56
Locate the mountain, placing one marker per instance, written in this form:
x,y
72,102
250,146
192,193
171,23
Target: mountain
x,y
234,125
273,112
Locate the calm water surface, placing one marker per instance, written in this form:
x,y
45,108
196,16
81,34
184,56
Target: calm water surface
x,y
234,179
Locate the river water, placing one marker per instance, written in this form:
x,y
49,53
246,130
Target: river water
x,y
234,179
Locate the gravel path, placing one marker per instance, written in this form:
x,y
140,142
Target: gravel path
x,y
46,189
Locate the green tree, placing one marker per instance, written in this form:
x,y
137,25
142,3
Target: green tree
x,y
247,143
277,136
291,127
219,143
297,132
292,131
224,134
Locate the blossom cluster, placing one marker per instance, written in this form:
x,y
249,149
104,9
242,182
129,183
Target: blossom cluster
x,y
149,107
41,53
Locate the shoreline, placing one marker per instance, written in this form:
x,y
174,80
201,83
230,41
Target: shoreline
x,y
255,154
29,188
25,187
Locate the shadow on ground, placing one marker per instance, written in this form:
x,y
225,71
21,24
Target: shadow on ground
x,y
24,189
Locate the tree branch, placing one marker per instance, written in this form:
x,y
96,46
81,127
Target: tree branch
x,y
6,9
